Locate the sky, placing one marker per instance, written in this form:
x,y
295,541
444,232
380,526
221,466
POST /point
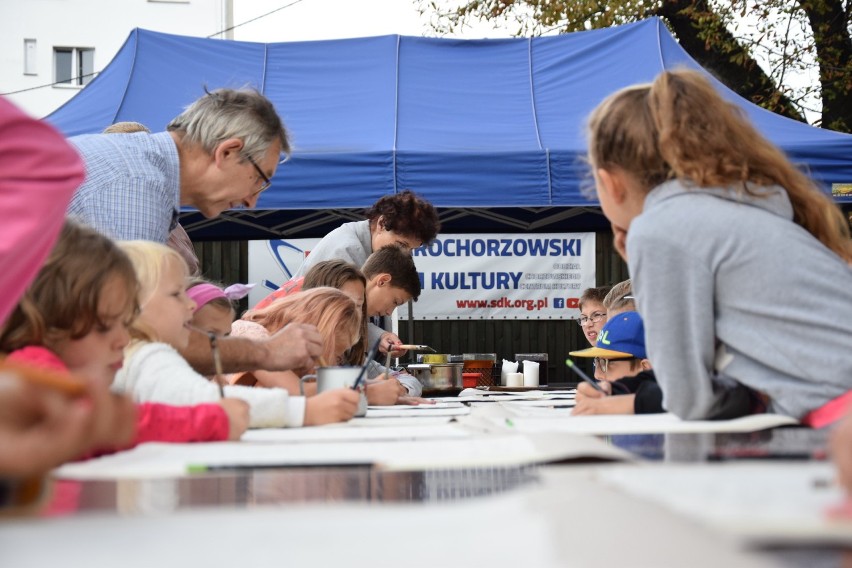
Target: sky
x,y
304,20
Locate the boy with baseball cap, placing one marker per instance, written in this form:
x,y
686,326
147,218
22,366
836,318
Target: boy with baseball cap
x,y
623,364
620,355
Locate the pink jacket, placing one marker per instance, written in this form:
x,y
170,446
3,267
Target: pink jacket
x,y
155,422
39,172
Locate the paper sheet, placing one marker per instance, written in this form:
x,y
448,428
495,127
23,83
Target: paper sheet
x,y
781,502
157,460
334,433
424,410
546,403
560,420
530,393
476,395
438,404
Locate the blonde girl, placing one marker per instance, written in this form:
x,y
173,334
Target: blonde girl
x,y
334,313
740,265
154,371
349,279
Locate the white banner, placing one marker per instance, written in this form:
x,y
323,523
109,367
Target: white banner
x,y
468,276
491,276
271,263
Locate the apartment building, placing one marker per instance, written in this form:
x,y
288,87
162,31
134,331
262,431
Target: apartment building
x,y
51,49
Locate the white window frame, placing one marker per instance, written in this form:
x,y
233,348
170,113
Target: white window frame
x,y
76,82
30,56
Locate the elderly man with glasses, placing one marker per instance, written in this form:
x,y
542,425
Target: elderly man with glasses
x,y
220,153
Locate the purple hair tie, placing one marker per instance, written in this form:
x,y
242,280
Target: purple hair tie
x,y
238,291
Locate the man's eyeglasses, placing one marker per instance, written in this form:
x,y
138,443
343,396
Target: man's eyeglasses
x,y
594,318
266,181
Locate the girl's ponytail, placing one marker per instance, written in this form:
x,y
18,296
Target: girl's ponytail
x,y
680,127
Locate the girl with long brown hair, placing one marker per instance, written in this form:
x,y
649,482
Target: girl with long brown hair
x,y
739,263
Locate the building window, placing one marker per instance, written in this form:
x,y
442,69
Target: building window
x,y
73,65
30,57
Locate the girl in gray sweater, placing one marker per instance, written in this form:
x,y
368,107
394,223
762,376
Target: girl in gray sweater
x,y
740,265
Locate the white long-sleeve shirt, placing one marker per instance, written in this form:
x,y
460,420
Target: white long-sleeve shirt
x,y
155,372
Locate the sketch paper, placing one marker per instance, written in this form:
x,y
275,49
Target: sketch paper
x,y
539,404
156,460
476,395
334,433
438,404
769,502
559,420
423,410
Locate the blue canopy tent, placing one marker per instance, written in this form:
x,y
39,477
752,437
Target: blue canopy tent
x,y
492,128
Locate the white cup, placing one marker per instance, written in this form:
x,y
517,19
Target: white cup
x,y
530,373
508,367
330,378
514,379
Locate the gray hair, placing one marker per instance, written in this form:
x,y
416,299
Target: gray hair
x,y
229,113
126,127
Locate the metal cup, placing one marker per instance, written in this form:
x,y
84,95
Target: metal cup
x,y
330,378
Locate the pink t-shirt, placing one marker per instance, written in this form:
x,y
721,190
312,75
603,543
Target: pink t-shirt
x,y
289,287
39,172
154,422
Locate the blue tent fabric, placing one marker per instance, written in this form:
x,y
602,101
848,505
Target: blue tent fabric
x,y
465,123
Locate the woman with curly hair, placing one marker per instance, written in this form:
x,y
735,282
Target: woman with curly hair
x,y
402,219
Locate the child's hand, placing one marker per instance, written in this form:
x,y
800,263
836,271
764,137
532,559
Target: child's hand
x,y
586,406
238,416
585,390
385,392
387,342
621,404
336,405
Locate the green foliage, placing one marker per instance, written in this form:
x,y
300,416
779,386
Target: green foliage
x,y
790,56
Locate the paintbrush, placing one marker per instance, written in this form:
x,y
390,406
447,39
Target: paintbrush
x,y
414,348
217,359
407,347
